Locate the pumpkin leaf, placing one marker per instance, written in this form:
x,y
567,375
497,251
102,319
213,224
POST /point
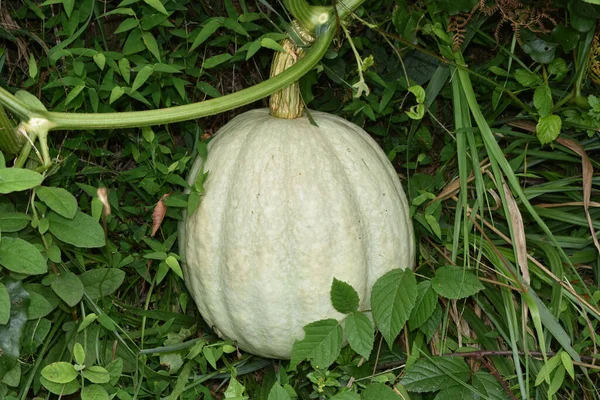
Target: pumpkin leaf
x,y
455,283
321,345
343,297
435,373
360,333
392,300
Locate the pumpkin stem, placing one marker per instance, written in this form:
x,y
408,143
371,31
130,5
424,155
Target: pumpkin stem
x,y
287,103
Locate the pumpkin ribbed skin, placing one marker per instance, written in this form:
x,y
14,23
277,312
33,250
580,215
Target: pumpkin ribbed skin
x,y
289,206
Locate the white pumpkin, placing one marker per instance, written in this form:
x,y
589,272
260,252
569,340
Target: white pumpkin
x,y
287,207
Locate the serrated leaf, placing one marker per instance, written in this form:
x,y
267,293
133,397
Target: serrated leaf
x,y
379,391
343,297
321,345
455,392
18,179
277,392
18,255
455,283
81,231
489,386
360,333
101,282
424,306
207,30
94,392
392,300
59,372
527,78
542,100
4,305
548,128
435,373
96,374
59,200
68,287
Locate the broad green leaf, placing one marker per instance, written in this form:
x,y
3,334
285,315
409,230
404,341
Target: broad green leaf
x,y
424,306
35,334
379,391
125,26
20,256
116,93
343,297
360,333
13,221
392,300
59,200
11,334
347,395
157,5
526,78
488,385
216,60
4,305
96,374
68,287
142,77
12,378
79,353
30,100
81,231
174,266
59,372
435,373
235,390
548,128
42,301
18,179
277,392
207,30
321,345
94,392
456,392
100,60
151,44
115,370
101,282
557,381
542,100
455,283
60,388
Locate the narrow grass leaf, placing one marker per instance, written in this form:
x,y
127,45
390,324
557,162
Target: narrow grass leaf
x,y
455,283
392,300
321,345
343,297
435,373
59,200
360,333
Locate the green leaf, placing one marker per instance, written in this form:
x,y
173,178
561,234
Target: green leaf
x,y
101,282
22,257
542,100
33,102
347,395
419,93
435,373
392,300
125,69
35,333
94,392
321,345
33,69
526,78
59,200
216,60
116,93
157,5
151,44
424,306
539,50
548,128
11,334
68,287
489,386
207,30
96,374
142,77
455,282
42,301
271,44
174,265
87,321
343,297
13,221
59,372
567,362
115,370
59,388
79,353
360,333
4,305
379,391
456,392
81,231
277,392
18,179
235,390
